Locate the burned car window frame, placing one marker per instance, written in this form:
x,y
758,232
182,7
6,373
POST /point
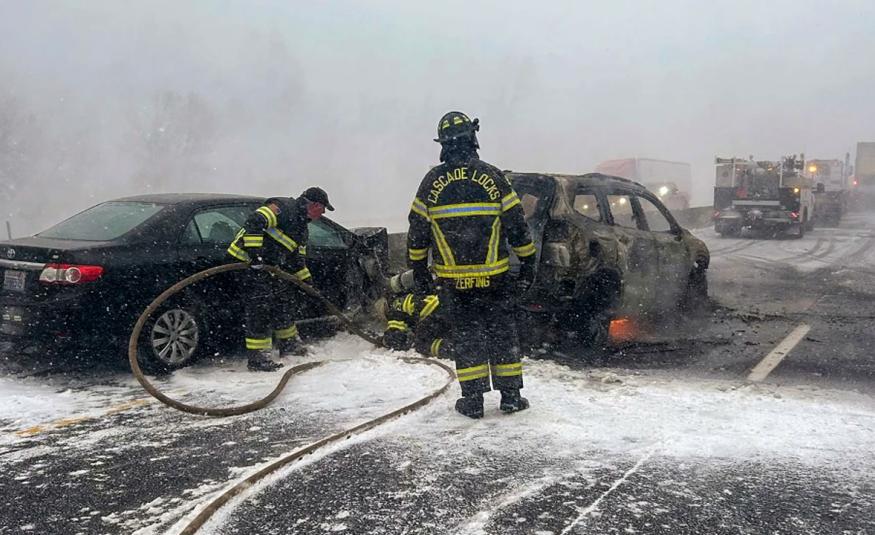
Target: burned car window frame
x,y
532,184
600,203
673,227
633,202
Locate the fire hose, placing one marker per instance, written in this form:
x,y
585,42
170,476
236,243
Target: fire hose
x,y
133,346
133,343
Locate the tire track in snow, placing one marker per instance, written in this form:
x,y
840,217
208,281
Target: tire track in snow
x,y
733,248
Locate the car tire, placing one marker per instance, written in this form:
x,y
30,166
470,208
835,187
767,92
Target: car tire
x,y
173,338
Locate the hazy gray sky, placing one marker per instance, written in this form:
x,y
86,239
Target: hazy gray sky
x,y
282,95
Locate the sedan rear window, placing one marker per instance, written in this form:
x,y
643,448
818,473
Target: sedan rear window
x,y
104,222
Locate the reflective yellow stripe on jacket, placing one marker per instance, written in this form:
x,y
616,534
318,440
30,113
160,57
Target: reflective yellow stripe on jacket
x,y
268,215
417,254
494,241
408,304
303,274
397,325
442,245
474,270
509,201
235,251
431,304
525,250
465,210
283,239
418,207
253,240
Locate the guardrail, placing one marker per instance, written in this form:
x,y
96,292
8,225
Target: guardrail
x,y
691,218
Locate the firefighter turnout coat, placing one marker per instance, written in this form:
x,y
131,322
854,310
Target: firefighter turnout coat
x,y
278,239
465,214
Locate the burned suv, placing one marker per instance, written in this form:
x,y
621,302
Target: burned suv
x,y
607,248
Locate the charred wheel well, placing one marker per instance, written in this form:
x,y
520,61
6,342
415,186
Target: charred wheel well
x,y
601,291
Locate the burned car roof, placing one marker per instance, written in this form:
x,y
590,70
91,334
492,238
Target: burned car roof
x,y
588,179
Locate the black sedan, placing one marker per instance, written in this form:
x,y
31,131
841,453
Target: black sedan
x,y
84,282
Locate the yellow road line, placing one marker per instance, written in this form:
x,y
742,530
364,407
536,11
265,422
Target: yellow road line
x,y
75,420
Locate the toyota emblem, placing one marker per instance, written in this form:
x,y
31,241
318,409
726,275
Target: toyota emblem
x,y
10,254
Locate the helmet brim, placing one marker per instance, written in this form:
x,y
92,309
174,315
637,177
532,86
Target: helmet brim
x,y
455,137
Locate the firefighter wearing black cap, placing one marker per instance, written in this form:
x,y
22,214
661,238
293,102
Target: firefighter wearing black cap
x,y
465,214
275,234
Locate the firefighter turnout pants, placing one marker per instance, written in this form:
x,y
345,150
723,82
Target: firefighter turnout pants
x,y
481,339
271,306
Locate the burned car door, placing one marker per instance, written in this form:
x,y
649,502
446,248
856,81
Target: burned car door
x,y
637,253
536,196
590,208
674,258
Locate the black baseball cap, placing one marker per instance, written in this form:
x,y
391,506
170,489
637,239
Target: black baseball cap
x,y
317,195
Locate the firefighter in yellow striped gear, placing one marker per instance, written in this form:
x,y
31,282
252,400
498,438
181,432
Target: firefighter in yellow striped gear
x,y
275,234
467,217
417,322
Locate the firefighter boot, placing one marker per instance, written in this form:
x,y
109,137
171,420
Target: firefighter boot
x,y
470,406
292,347
260,361
512,401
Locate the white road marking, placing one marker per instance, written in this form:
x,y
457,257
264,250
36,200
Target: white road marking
x,y
592,507
771,361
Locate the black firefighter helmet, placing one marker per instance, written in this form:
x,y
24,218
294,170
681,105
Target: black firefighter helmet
x,y
455,125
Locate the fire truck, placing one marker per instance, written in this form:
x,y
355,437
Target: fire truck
x,y
863,183
763,197
831,180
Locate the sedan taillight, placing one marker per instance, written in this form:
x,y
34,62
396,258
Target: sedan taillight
x,y
69,274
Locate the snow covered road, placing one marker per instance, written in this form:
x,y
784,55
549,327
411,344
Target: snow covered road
x,y
664,435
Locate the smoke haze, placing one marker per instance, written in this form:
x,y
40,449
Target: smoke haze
x,y
101,99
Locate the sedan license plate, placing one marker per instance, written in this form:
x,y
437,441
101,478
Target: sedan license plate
x,y
14,280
